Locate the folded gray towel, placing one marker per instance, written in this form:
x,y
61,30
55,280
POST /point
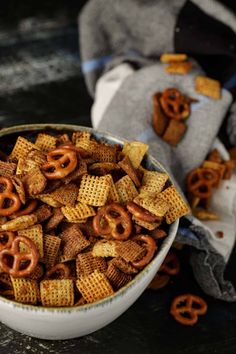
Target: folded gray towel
x,y
109,35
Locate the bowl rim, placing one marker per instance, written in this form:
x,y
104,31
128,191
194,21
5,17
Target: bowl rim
x,y
173,227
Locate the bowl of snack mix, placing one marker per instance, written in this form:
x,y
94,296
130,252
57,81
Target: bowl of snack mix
x,y
86,221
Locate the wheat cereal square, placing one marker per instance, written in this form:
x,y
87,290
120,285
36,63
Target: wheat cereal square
x,y
46,142
173,57
208,87
94,190
174,132
126,189
35,233
94,286
21,148
178,207
25,290
57,292
86,264
153,182
153,203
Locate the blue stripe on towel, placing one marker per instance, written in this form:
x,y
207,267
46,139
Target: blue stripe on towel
x,y
187,233
93,64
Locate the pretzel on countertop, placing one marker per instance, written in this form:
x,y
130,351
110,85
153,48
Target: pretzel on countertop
x,y
184,304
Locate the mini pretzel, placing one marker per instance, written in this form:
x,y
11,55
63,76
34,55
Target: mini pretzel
x,y
174,104
184,304
114,220
11,259
171,265
59,271
9,201
6,239
28,208
61,162
142,213
151,247
200,182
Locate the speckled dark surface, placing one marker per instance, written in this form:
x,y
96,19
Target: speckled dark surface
x,y
40,81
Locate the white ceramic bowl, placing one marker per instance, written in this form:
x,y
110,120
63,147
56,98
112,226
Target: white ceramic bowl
x,y
71,322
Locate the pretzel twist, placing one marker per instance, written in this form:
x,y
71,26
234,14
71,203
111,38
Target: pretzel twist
x,y
113,220
186,304
174,104
28,208
12,260
7,194
60,162
6,239
200,182
151,247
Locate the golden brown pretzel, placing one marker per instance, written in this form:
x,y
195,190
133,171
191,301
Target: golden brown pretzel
x,y
61,162
6,239
30,206
141,213
113,220
184,304
200,182
12,260
174,104
9,201
151,247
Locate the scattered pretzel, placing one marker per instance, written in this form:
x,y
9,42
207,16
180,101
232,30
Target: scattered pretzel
x,y
9,201
59,271
61,162
200,182
184,305
6,239
141,213
11,259
151,247
171,265
174,104
28,208
110,219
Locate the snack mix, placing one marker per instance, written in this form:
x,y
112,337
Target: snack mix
x,y
80,218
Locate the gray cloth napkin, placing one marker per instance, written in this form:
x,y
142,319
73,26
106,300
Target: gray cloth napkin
x,y
129,115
